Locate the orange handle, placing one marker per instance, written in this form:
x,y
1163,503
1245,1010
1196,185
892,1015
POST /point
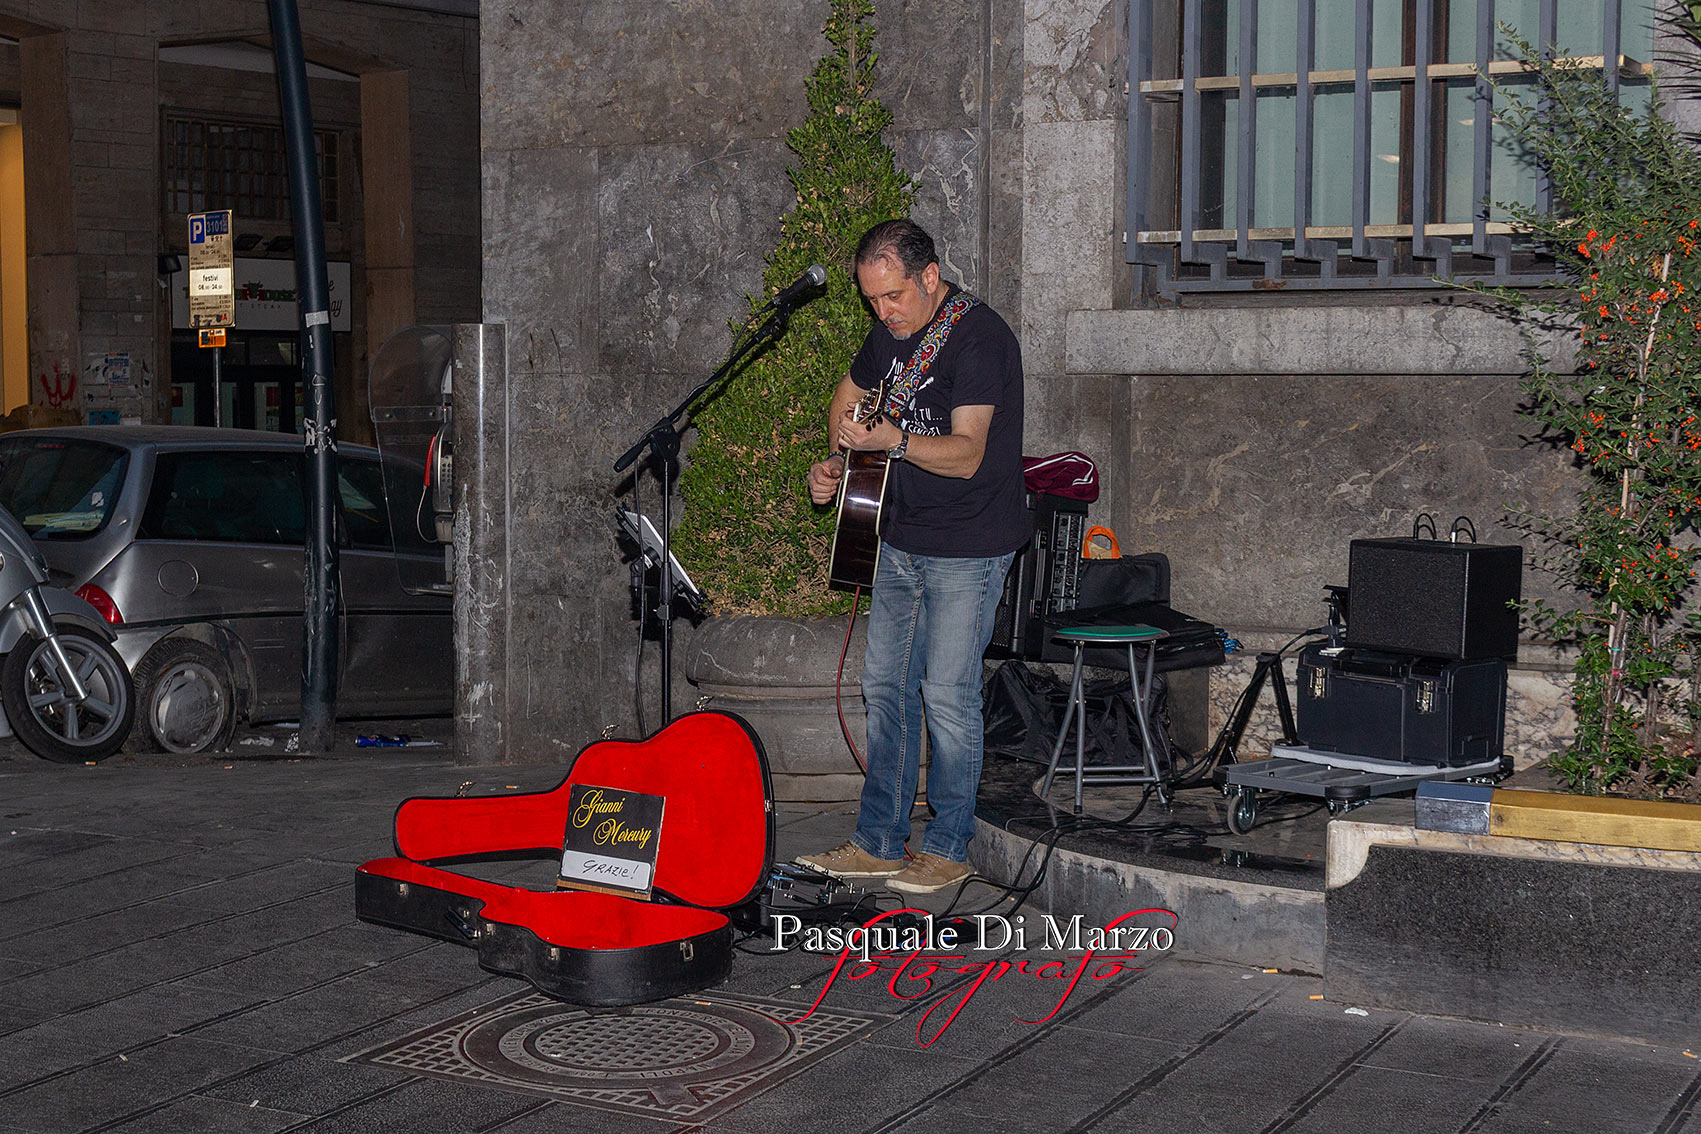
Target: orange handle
x,y
1088,551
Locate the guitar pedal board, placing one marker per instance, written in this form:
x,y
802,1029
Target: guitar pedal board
x,y
814,897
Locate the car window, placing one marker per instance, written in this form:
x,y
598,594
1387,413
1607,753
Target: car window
x,y
227,497
60,488
361,484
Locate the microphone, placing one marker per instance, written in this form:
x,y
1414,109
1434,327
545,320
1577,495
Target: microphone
x,y
815,277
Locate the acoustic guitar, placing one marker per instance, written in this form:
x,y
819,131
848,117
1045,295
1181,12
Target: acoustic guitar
x,y
862,494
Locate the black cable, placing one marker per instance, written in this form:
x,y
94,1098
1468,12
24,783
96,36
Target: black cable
x,y
839,684
1198,770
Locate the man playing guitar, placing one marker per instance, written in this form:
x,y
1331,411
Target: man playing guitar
x,y
952,427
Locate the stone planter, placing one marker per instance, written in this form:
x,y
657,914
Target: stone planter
x,y
779,674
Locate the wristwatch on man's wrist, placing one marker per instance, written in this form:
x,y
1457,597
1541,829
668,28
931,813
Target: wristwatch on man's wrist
x,y
903,446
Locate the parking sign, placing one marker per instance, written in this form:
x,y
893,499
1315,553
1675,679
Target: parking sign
x,y
212,270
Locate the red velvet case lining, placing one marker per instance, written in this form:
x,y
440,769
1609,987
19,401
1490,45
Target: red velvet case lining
x,y
713,848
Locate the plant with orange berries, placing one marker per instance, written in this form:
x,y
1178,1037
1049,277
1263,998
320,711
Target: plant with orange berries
x,y
1625,224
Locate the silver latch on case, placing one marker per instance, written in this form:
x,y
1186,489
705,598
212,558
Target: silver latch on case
x,y
1426,696
1319,682
686,950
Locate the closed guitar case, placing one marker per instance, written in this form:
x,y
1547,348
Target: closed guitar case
x,y
714,851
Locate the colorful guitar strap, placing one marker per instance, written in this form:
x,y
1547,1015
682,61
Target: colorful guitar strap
x,y
904,389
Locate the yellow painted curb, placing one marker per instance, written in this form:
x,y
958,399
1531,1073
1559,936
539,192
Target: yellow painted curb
x,y
1595,819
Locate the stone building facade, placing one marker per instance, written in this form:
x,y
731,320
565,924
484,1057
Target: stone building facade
x,y
96,86
634,176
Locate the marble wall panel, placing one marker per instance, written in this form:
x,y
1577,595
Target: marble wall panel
x,y
683,233
540,255
1540,719
1070,229
598,72
568,675
950,203
1076,61
930,72
1006,64
565,436
1255,485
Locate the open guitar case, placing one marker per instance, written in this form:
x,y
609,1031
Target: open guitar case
x,y
714,852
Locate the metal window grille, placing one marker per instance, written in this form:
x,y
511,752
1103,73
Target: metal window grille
x,y
215,164
1264,154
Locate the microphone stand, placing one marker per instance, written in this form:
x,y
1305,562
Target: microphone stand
x,y
662,439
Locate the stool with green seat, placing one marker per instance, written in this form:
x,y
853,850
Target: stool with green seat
x,y
1146,772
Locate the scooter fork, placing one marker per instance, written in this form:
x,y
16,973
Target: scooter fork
x,y
42,624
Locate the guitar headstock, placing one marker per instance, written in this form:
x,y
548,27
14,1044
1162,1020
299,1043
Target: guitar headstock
x,y
870,407
867,408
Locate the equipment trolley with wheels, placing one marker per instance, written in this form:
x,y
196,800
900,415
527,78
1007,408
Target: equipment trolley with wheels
x,y
1341,781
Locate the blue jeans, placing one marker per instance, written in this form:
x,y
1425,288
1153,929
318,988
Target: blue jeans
x,y
928,626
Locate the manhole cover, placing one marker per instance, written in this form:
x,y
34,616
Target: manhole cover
x,y
690,1057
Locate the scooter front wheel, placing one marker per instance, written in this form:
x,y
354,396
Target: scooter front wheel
x,y
42,712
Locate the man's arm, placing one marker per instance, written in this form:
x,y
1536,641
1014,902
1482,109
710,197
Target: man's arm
x,y
824,475
955,454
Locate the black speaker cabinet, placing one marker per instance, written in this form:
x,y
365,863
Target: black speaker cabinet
x,y
1043,578
1434,599
1416,710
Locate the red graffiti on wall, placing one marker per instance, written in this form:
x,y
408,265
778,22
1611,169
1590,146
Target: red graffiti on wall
x,y
60,388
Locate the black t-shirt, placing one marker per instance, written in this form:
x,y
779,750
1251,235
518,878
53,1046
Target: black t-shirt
x,y
979,365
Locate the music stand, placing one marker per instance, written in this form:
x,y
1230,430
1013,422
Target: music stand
x,y
638,528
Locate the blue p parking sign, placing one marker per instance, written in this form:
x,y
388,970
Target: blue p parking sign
x,y
211,285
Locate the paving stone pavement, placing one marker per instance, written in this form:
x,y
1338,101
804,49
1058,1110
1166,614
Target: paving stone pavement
x,y
179,953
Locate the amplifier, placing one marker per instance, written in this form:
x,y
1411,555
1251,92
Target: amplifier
x,y
1416,710
1044,577
1434,598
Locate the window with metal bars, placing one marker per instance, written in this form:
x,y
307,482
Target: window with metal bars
x,y
1293,144
217,164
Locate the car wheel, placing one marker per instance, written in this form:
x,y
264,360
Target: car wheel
x,y
50,723
188,701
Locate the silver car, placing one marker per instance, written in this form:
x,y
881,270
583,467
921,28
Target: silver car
x,y
189,542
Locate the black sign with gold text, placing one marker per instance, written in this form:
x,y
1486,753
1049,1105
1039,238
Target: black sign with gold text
x,y
611,841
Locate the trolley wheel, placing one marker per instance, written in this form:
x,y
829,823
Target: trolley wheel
x,y
1243,810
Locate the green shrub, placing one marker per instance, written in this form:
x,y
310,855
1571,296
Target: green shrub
x,y
750,535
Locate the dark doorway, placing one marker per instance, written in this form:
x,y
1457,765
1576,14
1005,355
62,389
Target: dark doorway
x,y
260,382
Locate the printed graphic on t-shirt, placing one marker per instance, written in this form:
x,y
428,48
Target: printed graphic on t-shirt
x,y
924,420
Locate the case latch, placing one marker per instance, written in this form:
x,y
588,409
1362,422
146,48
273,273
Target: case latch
x,y
1426,695
687,951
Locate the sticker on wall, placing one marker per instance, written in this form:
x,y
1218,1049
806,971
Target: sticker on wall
x,y
108,369
103,417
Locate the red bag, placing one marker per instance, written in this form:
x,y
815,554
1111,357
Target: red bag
x,y
1070,474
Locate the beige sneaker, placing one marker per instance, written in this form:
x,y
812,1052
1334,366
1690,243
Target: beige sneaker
x,y
850,861
928,873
